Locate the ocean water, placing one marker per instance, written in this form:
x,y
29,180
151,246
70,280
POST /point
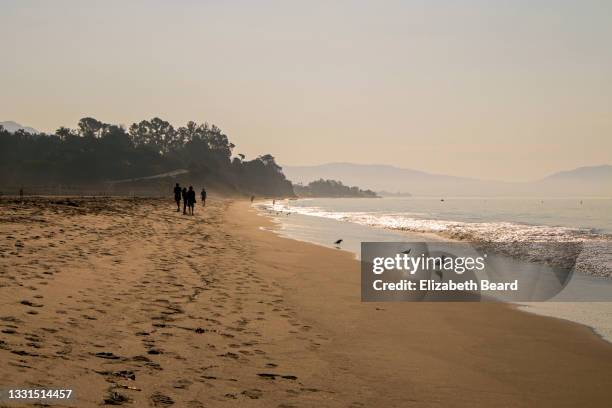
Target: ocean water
x,y
499,218
492,220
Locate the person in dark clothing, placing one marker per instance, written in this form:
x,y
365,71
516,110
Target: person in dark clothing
x,y
191,199
203,193
184,195
177,197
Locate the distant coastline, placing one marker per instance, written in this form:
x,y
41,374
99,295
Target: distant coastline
x,y
331,188
587,181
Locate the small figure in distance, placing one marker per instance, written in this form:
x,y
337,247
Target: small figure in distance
x,y
184,195
177,197
191,199
252,198
203,193
21,194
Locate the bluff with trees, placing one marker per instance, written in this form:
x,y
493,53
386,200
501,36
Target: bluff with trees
x,y
330,188
102,154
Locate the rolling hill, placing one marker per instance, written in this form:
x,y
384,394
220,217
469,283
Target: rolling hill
x,y
582,181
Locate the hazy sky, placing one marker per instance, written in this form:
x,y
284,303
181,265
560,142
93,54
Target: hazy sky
x,y
508,90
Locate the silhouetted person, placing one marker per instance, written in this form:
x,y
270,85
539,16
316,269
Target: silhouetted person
x,y
184,194
191,199
177,197
203,194
21,194
252,198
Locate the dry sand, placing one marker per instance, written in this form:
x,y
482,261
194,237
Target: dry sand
x,y
102,295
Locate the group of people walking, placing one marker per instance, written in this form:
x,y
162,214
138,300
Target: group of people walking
x,y
189,198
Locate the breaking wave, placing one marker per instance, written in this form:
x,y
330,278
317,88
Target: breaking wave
x,y
595,257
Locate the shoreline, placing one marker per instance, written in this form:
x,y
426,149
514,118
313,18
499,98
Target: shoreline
x,y
131,303
532,309
534,337
590,314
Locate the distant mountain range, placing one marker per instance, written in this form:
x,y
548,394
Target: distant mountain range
x,y
583,181
14,126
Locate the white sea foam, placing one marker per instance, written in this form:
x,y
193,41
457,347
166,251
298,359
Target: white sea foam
x,y
595,258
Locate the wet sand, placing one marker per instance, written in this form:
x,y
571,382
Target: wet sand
x,y
129,303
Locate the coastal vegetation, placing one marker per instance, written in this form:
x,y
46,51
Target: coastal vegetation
x,y
97,153
330,188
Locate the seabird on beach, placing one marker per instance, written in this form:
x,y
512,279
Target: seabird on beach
x,y
338,242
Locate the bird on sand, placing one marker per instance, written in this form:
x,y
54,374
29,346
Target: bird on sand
x,y
338,242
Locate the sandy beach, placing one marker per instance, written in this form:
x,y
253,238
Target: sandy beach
x,y
127,302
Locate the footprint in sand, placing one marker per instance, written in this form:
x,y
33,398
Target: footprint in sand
x,y
161,400
115,398
252,393
9,331
182,383
31,304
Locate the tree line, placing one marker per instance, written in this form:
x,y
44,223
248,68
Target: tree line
x,y
97,152
330,188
